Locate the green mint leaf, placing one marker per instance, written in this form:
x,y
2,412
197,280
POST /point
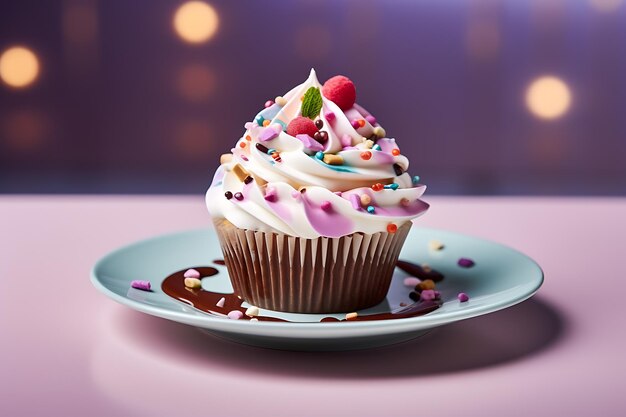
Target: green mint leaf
x,y
312,103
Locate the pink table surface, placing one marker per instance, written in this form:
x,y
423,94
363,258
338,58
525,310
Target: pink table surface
x,y
68,350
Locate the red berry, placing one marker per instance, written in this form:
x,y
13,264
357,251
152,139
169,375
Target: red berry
x,y
341,91
301,126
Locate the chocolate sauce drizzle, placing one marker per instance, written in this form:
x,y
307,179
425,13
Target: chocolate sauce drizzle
x,y
206,301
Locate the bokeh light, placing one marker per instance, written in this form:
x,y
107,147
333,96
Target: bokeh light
x,y
196,21
196,82
19,67
548,97
24,130
312,42
606,6
193,139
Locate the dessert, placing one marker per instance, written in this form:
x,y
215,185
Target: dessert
x,y
314,203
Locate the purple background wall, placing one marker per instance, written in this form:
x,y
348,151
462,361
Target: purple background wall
x,y
122,104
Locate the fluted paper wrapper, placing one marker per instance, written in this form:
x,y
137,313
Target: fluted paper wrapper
x,y
324,275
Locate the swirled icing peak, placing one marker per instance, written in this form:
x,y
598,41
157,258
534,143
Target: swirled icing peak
x,y
314,163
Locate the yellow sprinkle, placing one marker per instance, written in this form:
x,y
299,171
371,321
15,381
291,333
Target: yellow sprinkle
x,y
427,284
240,172
226,158
331,159
365,200
281,101
266,122
193,283
351,316
380,132
369,143
252,311
435,245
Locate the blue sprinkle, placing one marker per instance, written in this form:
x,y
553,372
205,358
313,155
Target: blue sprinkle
x,y
371,209
271,151
320,155
392,186
376,148
259,119
416,180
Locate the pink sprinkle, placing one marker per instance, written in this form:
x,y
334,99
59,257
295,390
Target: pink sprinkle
x,y
326,206
245,158
270,194
295,194
356,201
269,103
221,302
371,119
427,295
268,133
346,140
249,125
235,315
463,297
338,193
329,116
141,285
411,281
466,263
191,273
355,124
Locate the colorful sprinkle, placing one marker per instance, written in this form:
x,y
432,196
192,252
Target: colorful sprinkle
x,y
355,124
270,151
191,273
268,103
380,132
242,144
369,144
329,116
371,119
252,311
392,186
281,101
221,302
411,282
228,195
427,295
245,158
392,228
366,155
235,315
338,193
427,284
310,143
193,283
271,195
248,180
331,159
268,134
416,180
405,202
365,200
466,263
261,147
248,138
239,196
377,187
319,155
226,158
395,152
141,285
259,119
266,123
463,297
356,202
361,122
377,147
371,209
352,316
435,245
326,205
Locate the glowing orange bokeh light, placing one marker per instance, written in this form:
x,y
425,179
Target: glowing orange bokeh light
x,y
196,21
19,67
548,97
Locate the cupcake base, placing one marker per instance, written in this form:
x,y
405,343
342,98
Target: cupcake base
x,y
324,275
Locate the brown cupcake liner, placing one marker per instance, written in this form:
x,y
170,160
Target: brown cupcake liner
x,y
323,275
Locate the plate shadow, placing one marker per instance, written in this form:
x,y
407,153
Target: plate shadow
x,y
494,339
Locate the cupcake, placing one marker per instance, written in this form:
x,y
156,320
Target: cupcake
x,y
314,203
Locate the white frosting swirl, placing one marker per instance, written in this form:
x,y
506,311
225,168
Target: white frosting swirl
x,y
300,195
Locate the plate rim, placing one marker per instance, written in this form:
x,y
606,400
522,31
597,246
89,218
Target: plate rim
x,y
315,329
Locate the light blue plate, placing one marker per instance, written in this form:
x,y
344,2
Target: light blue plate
x,y
501,278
